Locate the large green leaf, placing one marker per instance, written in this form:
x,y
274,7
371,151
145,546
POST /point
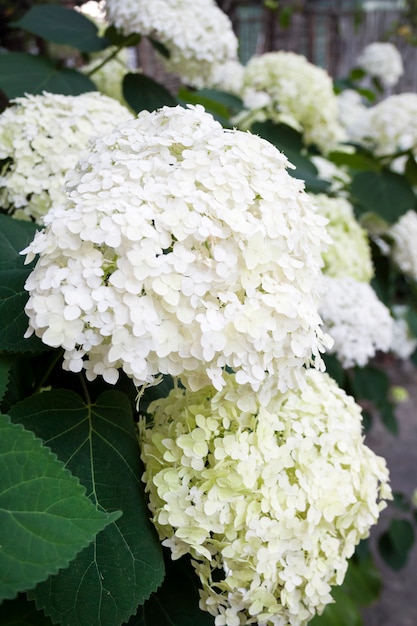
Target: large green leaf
x,y
344,612
22,612
290,141
371,383
221,105
45,516
384,193
63,26
13,320
15,235
143,93
98,443
176,602
6,363
395,543
22,73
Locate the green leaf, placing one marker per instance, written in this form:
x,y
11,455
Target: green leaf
x,y
22,73
363,581
98,443
233,103
63,26
334,369
384,193
357,73
15,235
395,544
370,383
45,517
13,319
22,612
360,160
280,135
344,612
116,38
411,170
219,110
6,363
290,142
143,93
159,47
389,419
176,602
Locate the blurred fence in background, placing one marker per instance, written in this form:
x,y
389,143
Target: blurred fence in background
x,y
331,37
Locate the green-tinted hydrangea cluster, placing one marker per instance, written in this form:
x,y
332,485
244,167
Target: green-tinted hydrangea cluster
x,y
270,501
350,253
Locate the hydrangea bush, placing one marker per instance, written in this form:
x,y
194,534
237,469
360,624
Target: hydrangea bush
x,y
183,254
270,501
183,248
41,138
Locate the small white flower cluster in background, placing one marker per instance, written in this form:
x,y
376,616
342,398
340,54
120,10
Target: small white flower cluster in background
x,y
403,342
353,114
197,34
358,322
183,248
270,501
286,88
404,249
392,127
382,60
336,175
350,252
41,137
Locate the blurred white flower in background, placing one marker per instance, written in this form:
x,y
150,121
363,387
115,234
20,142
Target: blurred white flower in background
x,y
392,128
404,249
300,95
382,60
358,322
197,34
353,114
404,343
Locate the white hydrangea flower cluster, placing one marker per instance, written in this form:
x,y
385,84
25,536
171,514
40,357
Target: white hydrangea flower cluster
x,y
353,114
403,342
350,252
228,77
300,94
183,248
270,501
392,127
403,249
42,136
338,176
358,322
198,34
382,60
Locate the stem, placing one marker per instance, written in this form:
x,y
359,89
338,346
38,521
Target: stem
x,y
112,55
57,357
85,388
